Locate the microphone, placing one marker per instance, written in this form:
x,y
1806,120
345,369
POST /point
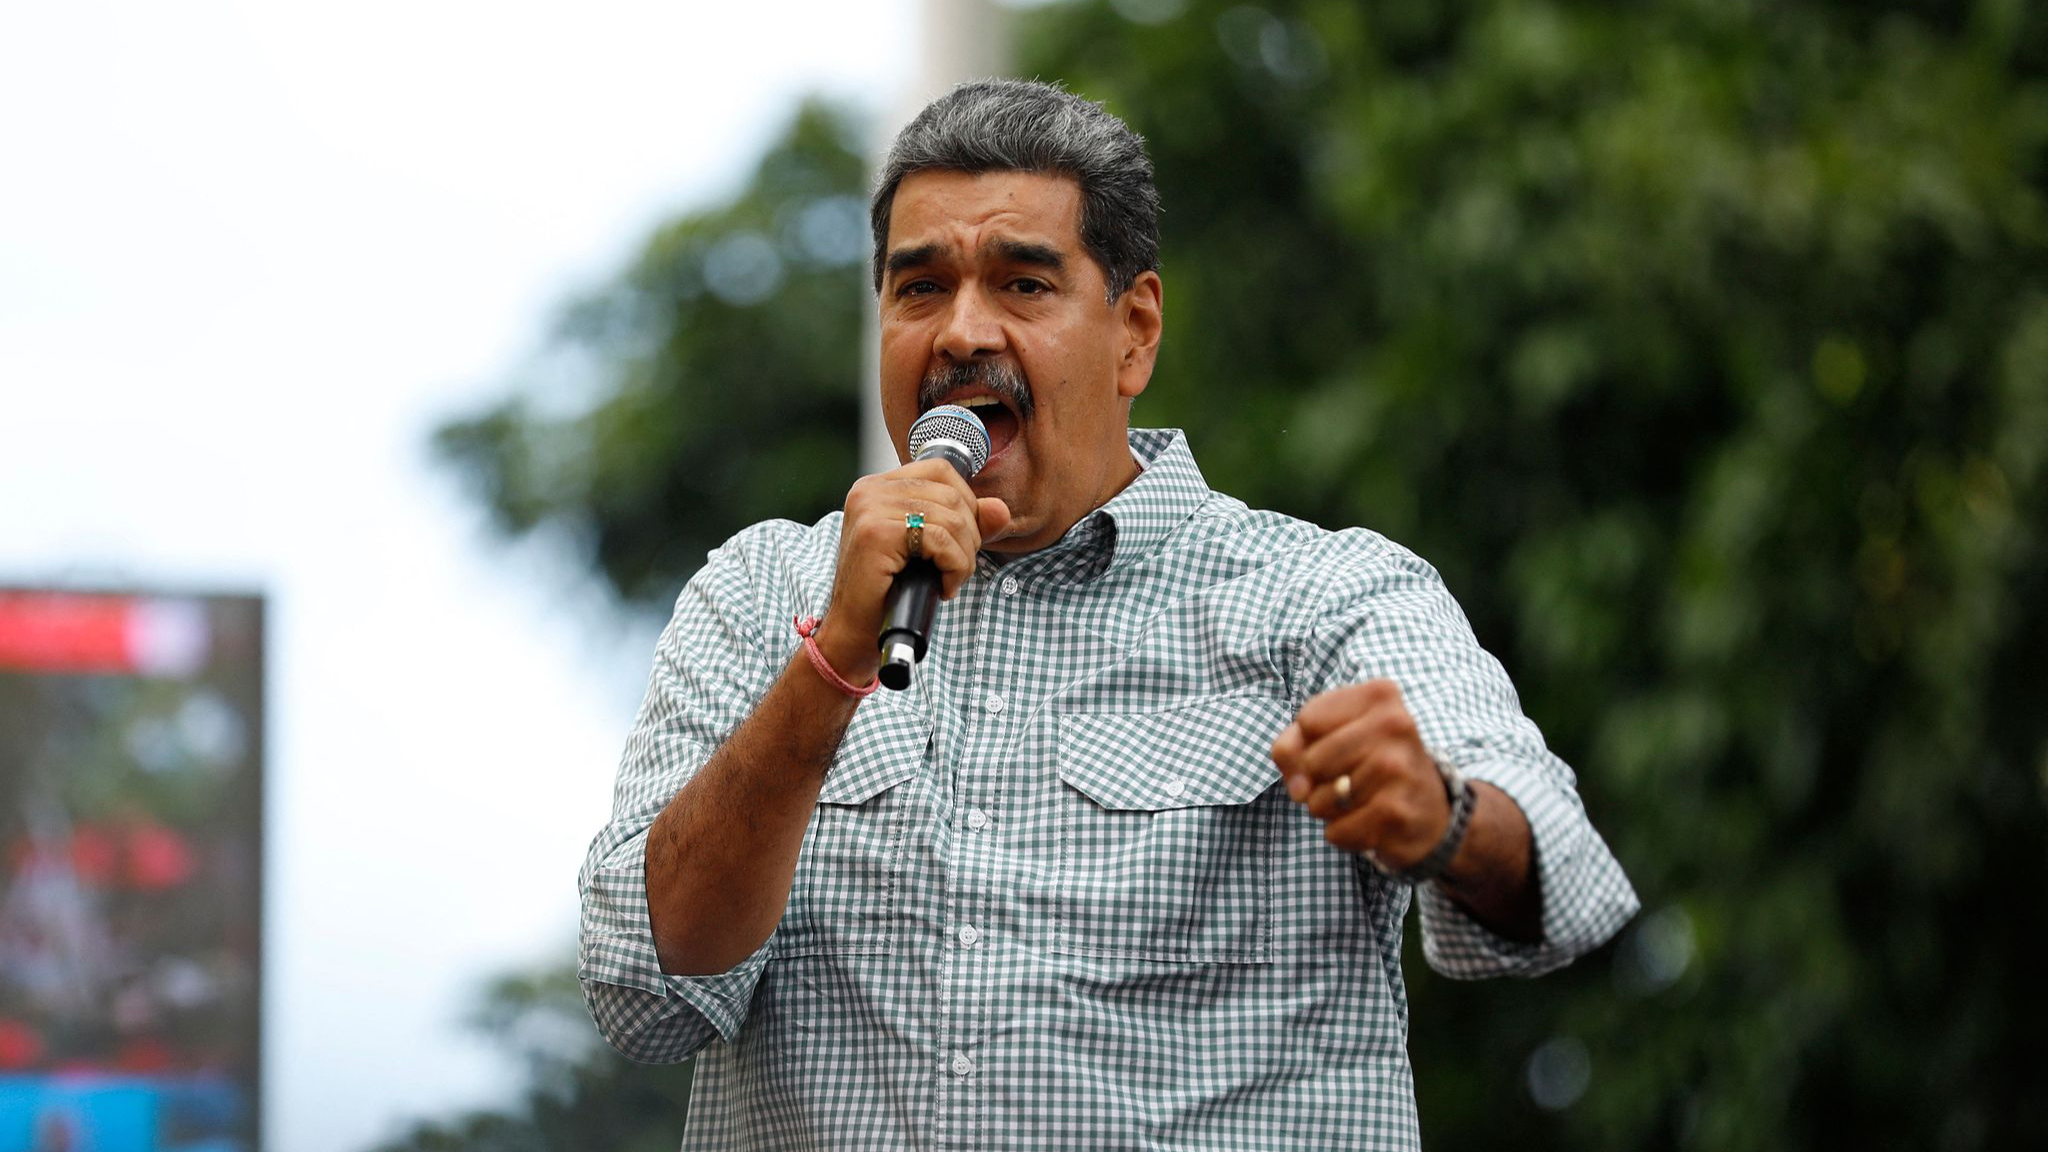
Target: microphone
x,y
955,435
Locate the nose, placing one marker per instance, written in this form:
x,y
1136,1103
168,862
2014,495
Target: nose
x,y
971,327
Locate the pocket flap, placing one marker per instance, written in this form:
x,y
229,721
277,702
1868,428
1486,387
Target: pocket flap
x,y
882,748
1209,753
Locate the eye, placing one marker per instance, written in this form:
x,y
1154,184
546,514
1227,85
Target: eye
x,y
916,288
1029,286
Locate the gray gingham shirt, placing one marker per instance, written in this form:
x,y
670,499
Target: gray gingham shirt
x,y
1053,896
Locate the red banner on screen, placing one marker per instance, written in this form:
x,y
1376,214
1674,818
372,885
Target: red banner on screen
x,y
84,632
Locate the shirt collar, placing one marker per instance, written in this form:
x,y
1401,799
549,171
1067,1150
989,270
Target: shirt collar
x,y
1137,520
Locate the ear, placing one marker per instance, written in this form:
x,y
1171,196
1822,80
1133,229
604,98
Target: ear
x,y
1140,320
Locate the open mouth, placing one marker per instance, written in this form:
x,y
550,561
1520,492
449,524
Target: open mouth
x,y
996,416
996,392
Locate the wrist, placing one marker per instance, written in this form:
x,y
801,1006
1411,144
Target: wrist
x,y
852,657
1463,799
857,686
1493,876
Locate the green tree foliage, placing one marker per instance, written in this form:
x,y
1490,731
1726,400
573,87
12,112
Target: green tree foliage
x,y
727,372
1703,345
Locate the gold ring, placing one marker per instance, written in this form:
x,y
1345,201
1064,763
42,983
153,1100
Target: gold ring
x,y
913,534
1342,787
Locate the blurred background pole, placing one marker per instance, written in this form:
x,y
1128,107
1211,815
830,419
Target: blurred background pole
x,y
961,40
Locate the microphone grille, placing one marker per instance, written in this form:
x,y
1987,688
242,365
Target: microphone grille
x,y
954,423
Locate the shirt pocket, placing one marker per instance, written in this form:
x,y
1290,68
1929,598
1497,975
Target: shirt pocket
x,y
843,901
1168,822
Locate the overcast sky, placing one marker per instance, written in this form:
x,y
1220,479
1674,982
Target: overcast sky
x,y
250,254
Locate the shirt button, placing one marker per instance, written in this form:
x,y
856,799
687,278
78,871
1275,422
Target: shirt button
x,y
970,935
1010,586
1176,787
994,704
961,1065
977,819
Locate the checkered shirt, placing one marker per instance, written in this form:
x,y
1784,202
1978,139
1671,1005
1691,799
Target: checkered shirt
x,y
1053,895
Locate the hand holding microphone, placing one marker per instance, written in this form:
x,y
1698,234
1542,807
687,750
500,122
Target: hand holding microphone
x,y
882,596
955,435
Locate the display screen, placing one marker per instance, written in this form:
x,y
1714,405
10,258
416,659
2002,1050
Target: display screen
x,y
131,800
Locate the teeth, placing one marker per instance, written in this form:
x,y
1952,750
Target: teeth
x,y
979,402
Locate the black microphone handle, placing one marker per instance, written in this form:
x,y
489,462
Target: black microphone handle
x,y
907,617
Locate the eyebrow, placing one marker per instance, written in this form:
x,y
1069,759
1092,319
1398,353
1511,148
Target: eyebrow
x,y
1023,252
1011,251
918,257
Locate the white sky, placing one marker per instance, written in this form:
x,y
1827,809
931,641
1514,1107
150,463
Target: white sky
x,y
250,254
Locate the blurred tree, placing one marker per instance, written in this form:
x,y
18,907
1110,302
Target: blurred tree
x,y
726,378
1704,347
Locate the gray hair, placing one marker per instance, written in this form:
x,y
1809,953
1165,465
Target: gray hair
x,y
1033,126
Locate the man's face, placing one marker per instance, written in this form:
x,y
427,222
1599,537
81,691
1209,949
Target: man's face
x,y
989,300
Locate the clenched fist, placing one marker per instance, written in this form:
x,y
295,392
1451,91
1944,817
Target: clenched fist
x,y
1394,807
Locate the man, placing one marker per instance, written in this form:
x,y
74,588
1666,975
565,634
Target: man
x,y
1057,893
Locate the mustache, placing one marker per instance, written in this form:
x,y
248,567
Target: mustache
x,y
1005,380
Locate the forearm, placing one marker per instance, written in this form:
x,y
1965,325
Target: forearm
x,y
1493,876
722,854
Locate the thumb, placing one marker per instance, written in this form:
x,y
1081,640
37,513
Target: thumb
x,y
992,516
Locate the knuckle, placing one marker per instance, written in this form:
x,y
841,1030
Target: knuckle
x,y
1384,763
1392,722
1310,758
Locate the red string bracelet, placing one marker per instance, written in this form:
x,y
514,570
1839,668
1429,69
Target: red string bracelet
x,y
807,627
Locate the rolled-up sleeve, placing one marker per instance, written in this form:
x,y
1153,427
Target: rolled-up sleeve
x,y
1386,614
644,1012
713,661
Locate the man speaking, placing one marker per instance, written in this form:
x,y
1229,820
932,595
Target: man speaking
x,y
1126,864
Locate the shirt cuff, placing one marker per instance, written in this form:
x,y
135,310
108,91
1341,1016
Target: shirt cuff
x,y
1585,895
645,1012
629,961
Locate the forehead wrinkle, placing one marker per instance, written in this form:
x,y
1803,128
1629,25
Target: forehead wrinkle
x,y
1033,253
959,222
